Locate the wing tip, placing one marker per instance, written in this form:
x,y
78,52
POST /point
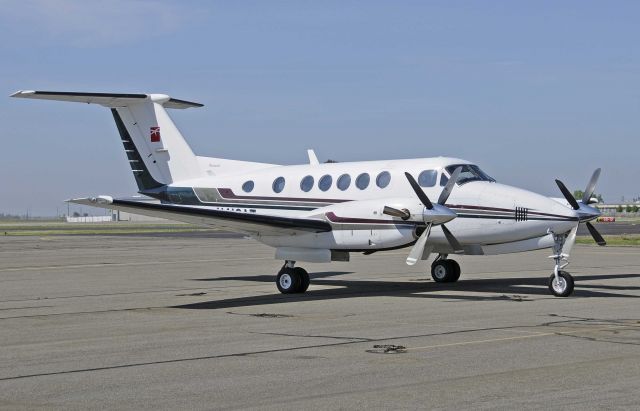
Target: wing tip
x,y
23,93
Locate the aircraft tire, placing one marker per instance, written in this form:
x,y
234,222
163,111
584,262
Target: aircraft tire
x,y
456,271
443,271
288,281
565,286
304,279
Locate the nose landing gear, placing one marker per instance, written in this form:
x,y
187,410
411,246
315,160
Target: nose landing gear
x,y
561,285
292,279
561,282
444,270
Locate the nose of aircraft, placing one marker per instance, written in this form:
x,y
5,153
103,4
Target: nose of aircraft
x,y
536,206
587,213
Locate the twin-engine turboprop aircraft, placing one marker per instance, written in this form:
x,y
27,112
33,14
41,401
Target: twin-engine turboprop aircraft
x,y
323,212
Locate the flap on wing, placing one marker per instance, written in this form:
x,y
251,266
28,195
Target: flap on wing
x,y
244,222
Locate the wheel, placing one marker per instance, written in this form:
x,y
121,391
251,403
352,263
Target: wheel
x,y
456,270
563,287
304,279
444,271
288,281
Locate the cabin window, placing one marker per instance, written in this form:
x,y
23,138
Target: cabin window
x,y
362,181
344,181
278,184
428,178
247,187
383,179
306,184
325,182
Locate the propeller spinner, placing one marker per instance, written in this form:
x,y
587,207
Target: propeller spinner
x,y
584,207
434,214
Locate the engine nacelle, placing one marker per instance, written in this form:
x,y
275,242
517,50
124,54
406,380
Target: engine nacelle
x,y
361,225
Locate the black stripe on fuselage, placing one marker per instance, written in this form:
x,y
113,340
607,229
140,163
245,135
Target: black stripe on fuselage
x,y
187,196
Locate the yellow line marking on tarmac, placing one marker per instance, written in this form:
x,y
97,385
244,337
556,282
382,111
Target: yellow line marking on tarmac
x,y
56,267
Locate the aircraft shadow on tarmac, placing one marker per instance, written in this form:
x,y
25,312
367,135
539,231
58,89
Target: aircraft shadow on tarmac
x,y
511,289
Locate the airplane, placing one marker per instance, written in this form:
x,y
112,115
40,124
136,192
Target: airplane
x,y
323,212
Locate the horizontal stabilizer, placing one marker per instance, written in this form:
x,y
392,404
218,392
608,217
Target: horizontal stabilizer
x,y
111,100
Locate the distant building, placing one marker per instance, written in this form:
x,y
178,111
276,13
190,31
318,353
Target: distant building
x,y
612,209
89,219
117,215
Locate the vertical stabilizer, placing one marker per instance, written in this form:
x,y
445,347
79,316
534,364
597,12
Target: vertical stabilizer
x,y
165,154
156,151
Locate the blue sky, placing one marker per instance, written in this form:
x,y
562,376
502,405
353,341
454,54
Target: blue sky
x,y
531,91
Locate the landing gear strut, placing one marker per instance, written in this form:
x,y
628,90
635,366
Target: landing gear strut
x,y
560,282
444,270
292,279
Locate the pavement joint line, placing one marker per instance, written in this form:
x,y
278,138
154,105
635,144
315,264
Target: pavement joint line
x,y
62,297
84,312
177,360
568,333
277,350
137,263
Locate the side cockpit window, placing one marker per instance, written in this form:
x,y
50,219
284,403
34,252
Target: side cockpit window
x,y
443,179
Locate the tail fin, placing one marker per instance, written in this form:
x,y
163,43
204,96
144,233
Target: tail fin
x,y
156,150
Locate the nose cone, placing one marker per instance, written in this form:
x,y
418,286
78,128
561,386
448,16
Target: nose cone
x,y
438,215
587,213
506,198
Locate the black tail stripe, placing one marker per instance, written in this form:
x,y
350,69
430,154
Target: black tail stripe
x,y
140,171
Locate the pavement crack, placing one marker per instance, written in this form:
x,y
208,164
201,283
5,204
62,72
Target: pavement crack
x,y
354,339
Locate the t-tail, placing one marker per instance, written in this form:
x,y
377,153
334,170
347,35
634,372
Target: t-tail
x,y
157,152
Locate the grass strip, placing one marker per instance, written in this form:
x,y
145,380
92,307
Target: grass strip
x,y
630,240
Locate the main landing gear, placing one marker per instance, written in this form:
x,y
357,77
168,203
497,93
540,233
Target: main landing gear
x,y
292,279
444,270
560,282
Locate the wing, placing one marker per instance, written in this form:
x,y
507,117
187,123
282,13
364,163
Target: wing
x,y
248,223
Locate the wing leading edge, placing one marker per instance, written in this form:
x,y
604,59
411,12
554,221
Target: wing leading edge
x,y
237,221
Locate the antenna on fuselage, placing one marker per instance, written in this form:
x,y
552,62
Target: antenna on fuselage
x,y
313,159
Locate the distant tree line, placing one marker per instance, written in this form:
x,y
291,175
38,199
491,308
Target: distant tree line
x,y
579,193
630,208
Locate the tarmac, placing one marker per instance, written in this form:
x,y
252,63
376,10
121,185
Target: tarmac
x,y
138,322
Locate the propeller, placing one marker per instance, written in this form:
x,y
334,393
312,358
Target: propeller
x,y
437,214
419,192
586,200
570,198
595,234
588,192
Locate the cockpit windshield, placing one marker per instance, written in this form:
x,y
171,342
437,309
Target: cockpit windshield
x,y
470,172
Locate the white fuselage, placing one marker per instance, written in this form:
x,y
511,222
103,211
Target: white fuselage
x,y
492,217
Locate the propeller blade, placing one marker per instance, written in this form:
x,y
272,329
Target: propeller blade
x,y
457,248
394,212
567,195
595,234
418,248
588,192
419,192
570,241
446,191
